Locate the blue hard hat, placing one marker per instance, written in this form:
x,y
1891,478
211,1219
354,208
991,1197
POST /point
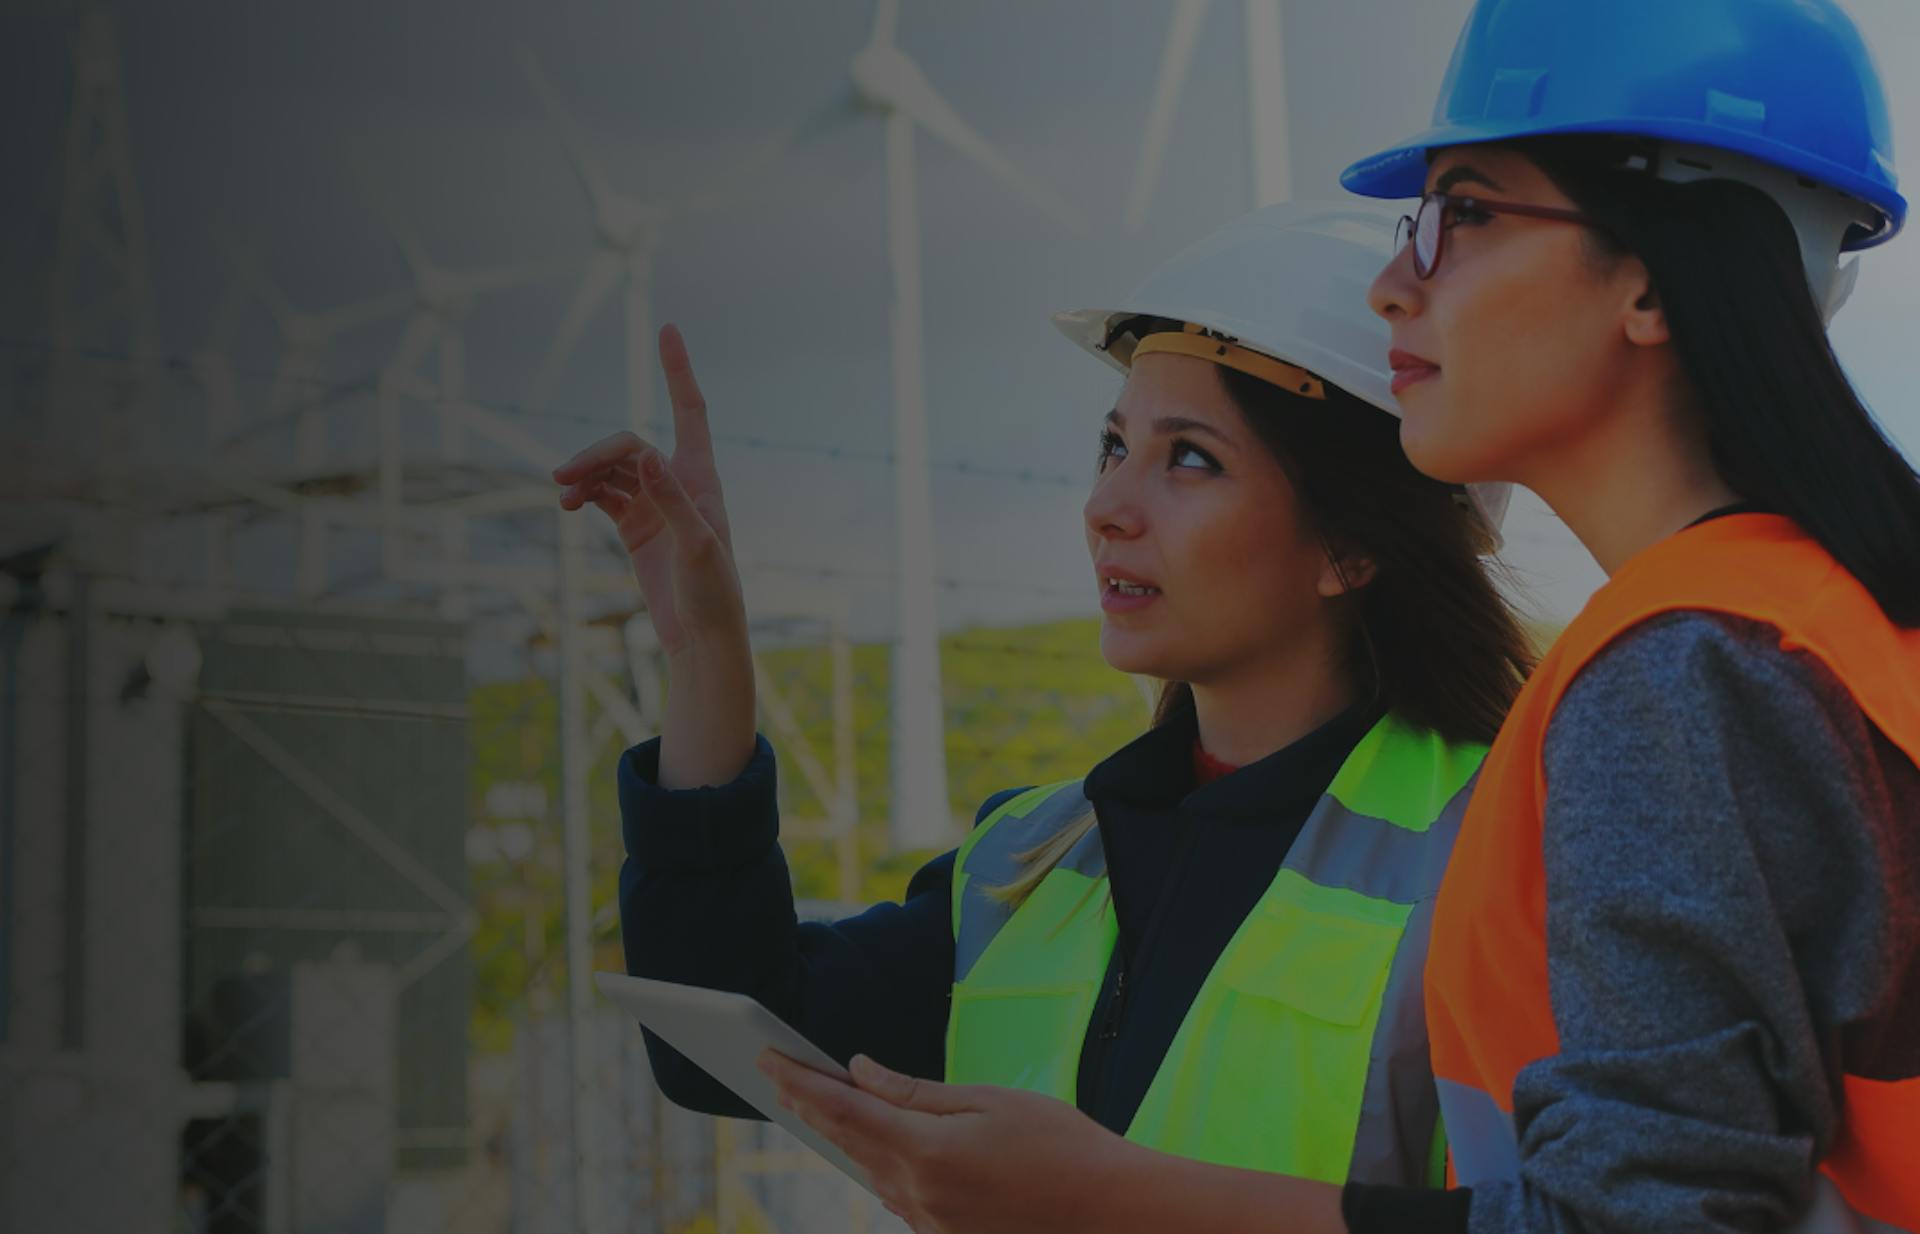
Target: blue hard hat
x,y
1786,82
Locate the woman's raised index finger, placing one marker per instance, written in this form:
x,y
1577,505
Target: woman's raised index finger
x,y
683,390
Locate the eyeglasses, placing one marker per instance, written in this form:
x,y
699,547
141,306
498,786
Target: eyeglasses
x,y
1427,228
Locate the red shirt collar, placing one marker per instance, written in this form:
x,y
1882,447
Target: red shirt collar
x,y
1207,768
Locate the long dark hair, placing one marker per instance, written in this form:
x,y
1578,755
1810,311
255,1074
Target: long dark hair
x,y
1429,637
1786,428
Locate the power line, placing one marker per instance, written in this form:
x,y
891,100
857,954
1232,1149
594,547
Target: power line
x,y
336,390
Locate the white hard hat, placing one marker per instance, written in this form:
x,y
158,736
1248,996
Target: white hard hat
x,y
1288,281
1823,220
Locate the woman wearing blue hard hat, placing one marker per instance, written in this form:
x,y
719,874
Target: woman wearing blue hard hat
x,y
1675,974
1674,981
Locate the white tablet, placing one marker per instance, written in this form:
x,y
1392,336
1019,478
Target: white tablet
x,y
723,1034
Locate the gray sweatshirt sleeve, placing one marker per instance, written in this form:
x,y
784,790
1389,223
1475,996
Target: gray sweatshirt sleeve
x,y
1716,923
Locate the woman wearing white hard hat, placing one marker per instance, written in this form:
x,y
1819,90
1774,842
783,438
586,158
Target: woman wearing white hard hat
x,y
1212,943
1674,980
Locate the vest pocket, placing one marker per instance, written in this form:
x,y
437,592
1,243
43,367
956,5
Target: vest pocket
x,y
1330,968
1270,1067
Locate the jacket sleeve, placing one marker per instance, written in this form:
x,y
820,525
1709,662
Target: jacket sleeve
x,y
706,900
1711,906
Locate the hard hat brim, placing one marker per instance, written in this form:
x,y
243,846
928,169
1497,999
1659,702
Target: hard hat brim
x,y
1088,328
1401,170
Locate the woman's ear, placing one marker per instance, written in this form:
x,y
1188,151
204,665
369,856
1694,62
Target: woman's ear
x,y
1344,573
1644,319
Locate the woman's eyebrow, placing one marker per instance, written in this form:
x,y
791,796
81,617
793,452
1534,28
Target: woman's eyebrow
x,y
1465,173
1168,426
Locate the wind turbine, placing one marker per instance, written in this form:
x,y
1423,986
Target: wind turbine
x,y
295,392
1267,121
441,300
627,232
887,81
305,337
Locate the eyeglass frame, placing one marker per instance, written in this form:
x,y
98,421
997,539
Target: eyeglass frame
x,y
1407,230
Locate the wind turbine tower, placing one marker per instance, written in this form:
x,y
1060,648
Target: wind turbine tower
x,y
1267,119
886,80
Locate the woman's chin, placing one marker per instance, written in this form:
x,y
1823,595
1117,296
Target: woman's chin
x,y
1445,457
1127,654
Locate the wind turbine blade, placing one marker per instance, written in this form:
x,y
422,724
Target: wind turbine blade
x,y
216,376
472,282
240,288
748,179
245,262
603,272
504,433
210,364
579,152
363,313
890,75
886,20
398,373
1176,58
1267,117
751,178
378,201
830,117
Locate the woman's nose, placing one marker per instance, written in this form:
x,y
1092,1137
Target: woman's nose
x,y
1395,293
1113,509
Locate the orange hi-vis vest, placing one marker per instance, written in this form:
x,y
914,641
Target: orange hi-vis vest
x,y
1487,1001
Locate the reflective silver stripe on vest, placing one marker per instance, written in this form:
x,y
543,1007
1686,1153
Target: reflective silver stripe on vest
x,y
1338,848
1479,1135
1399,1109
995,862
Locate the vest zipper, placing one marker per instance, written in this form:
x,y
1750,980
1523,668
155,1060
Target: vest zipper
x,y
1102,1070
1116,1007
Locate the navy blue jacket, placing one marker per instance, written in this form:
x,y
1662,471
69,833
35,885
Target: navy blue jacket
x,y
706,899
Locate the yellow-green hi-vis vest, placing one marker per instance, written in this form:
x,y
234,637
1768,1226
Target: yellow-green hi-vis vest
x,y
1305,1052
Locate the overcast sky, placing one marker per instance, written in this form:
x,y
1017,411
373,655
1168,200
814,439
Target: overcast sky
x,y
276,127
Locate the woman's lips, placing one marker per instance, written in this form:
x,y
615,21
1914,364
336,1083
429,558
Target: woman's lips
x,y
1412,376
1122,591
1113,600
1409,369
